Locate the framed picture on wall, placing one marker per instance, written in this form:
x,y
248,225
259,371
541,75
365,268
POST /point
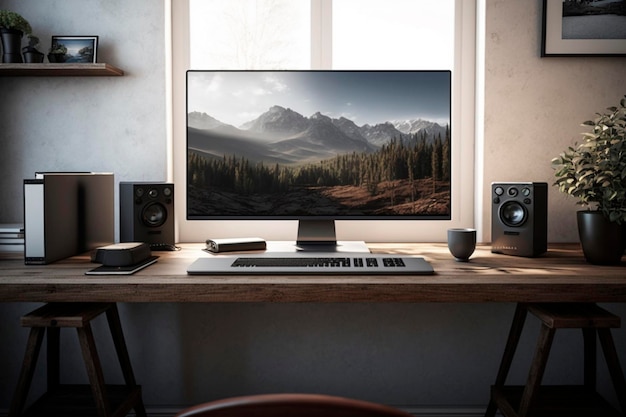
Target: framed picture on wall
x,y
75,49
584,28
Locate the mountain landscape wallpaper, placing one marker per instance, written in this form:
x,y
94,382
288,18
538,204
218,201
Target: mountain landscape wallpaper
x,y
291,144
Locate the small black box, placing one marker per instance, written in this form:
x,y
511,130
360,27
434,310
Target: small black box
x,y
122,254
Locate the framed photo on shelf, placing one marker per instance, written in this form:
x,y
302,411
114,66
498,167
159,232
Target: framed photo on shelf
x,y
75,49
584,28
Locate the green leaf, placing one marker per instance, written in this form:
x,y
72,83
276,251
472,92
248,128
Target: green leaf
x,y
594,171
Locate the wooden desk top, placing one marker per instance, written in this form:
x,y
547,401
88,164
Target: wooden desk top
x,y
560,275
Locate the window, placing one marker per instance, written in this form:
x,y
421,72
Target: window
x,y
281,34
249,34
392,34
334,34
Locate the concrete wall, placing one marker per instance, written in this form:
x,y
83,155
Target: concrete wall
x,y
410,355
112,124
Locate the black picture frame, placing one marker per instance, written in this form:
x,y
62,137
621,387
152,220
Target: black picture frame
x,y
559,42
80,49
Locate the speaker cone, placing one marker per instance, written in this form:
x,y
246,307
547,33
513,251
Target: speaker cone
x,y
513,214
154,215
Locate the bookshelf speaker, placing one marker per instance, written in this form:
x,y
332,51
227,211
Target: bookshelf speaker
x,y
147,214
519,218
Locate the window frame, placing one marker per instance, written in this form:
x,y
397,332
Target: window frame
x,y
465,176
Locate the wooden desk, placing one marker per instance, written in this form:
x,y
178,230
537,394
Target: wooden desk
x,y
562,275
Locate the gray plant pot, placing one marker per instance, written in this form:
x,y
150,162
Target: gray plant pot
x,y
603,242
11,45
33,57
56,58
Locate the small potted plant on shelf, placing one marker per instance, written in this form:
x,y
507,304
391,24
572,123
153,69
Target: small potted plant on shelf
x,y
57,53
595,173
30,52
12,28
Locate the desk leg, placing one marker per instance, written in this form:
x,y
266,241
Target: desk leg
x,y
94,370
33,347
546,336
519,319
615,369
115,325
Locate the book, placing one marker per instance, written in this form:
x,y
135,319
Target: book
x,y
11,240
11,228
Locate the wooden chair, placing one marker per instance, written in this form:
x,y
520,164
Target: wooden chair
x,y
291,405
533,399
96,399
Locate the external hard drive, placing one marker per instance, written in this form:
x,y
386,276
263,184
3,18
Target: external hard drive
x,y
235,244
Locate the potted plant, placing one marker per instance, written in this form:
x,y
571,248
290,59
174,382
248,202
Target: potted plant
x,y
595,173
30,52
57,53
12,27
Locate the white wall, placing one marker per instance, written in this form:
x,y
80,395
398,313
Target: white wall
x,y
423,354
112,124
534,106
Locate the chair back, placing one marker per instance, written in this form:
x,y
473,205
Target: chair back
x,y
291,405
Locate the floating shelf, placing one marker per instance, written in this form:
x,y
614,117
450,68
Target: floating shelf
x,y
59,70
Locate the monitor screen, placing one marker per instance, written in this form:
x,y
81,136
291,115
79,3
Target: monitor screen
x,y
318,145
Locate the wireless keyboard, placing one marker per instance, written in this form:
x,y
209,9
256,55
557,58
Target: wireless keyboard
x,y
317,264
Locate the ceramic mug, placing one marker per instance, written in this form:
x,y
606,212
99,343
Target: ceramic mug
x,y
461,243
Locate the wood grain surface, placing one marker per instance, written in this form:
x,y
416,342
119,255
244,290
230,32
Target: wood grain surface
x,y
561,275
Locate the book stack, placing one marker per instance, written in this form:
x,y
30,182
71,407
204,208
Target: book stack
x,y
11,238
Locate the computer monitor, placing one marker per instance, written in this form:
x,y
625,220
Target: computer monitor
x,y
318,146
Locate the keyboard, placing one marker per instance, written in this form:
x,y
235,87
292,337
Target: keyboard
x,y
318,264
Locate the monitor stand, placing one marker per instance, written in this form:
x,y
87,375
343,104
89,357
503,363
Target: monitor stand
x,y
319,236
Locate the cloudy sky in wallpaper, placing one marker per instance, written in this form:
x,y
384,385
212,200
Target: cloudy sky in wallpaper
x,y
365,97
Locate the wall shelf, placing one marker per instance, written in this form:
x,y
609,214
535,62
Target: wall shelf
x,y
59,70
